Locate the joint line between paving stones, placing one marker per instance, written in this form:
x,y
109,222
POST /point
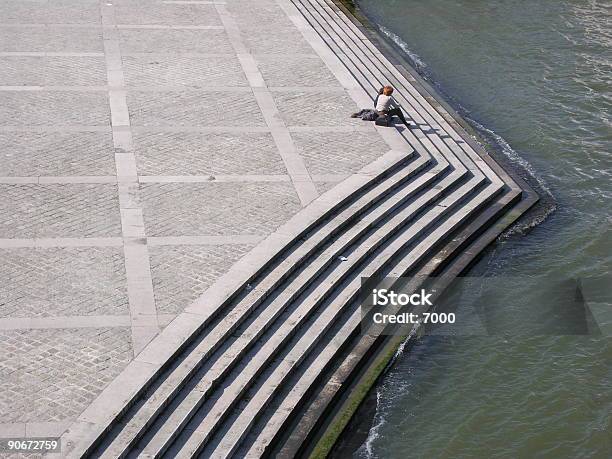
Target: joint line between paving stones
x,y
119,242
33,429
301,179
32,323
222,178
141,298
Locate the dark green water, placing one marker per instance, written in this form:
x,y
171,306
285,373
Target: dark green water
x,y
535,76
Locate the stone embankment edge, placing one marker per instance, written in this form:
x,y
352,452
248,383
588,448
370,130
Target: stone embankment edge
x,y
81,437
384,356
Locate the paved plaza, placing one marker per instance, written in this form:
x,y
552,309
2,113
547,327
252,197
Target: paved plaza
x,y
145,146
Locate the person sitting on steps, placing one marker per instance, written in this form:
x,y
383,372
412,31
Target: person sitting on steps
x,y
382,105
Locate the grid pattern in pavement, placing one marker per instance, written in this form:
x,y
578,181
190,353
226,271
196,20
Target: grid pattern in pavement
x,y
174,41
15,38
52,71
204,154
145,146
56,154
194,108
51,375
337,152
63,281
187,209
168,70
59,210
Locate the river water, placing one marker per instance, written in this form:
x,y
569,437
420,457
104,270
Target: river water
x,y
535,77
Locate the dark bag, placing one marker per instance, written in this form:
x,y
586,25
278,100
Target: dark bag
x,y
383,120
370,115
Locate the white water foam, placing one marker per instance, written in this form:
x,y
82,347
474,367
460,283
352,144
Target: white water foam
x,y
513,156
414,57
367,449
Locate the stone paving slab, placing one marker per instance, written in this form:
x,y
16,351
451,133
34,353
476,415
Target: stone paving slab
x,y
64,39
316,108
193,108
54,108
75,210
338,152
165,14
185,71
323,187
53,12
282,41
207,154
52,375
52,71
280,70
186,209
63,282
56,154
182,273
264,13
175,41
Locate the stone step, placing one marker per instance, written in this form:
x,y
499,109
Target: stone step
x,y
264,442
286,297
239,429
156,402
217,413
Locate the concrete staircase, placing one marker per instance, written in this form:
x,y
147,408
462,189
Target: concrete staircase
x,y
275,350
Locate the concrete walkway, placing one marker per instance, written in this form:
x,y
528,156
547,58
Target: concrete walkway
x,y
145,146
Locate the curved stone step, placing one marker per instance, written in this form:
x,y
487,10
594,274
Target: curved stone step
x,y
263,444
231,394
292,291
231,438
158,400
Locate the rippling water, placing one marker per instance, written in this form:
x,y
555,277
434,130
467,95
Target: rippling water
x,y
535,77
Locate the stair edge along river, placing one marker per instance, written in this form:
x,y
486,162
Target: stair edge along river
x,y
534,79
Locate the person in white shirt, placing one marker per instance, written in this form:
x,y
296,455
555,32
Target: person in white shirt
x,y
382,105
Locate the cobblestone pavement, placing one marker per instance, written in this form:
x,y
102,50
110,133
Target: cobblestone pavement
x,y
145,146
